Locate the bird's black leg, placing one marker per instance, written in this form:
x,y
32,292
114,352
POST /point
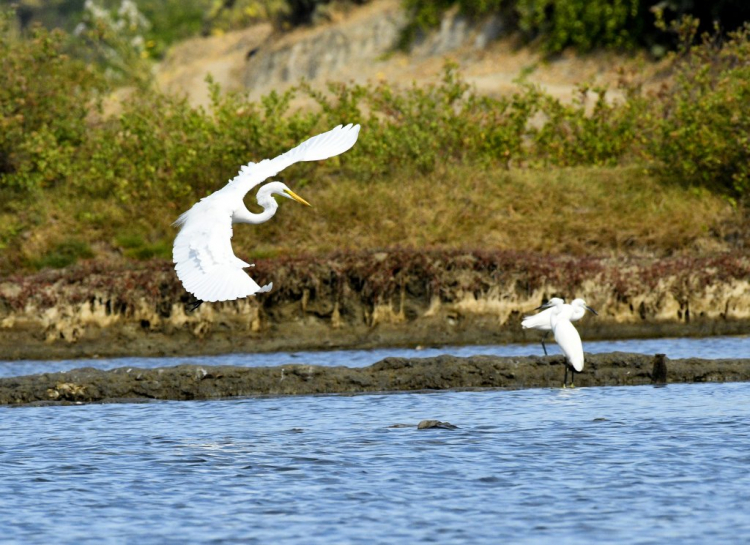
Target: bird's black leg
x,y
565,380
544,347
196,305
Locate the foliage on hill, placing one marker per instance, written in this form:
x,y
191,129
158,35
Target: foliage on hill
x,y
585,24
164,22
70,178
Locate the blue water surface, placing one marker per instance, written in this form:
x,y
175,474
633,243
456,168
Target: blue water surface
x,y
590,465
675,348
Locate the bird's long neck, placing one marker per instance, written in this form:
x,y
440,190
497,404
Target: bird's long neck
x,y
559,312
243,215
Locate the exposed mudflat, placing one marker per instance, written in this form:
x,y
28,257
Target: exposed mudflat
x,y
186,382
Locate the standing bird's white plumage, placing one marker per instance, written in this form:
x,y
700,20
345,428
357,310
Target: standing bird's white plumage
x,y
542,320
202,252
566,336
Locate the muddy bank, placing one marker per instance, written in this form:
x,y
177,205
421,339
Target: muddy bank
x,y
186,382
372,299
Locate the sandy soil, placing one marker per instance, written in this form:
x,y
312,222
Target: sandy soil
x,y
359,46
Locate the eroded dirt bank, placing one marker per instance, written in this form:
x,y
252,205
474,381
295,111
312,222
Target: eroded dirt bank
x,y
367,300
392,374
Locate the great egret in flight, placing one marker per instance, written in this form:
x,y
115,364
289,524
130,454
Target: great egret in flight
x,y
202,252
541,320
566,336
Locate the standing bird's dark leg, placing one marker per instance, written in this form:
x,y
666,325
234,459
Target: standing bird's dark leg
x,y
544,347
565,380
195,305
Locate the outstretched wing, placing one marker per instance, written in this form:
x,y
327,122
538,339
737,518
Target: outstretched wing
x,y
204,260
539,321
202,252
329,144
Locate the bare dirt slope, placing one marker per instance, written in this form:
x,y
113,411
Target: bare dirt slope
x,y
359,45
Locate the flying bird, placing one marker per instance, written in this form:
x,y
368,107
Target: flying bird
x,y
541,321
202,252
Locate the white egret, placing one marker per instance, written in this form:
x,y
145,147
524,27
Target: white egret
x,y
202,252
541,320
566,336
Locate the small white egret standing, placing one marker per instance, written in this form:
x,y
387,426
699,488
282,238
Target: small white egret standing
x,y
566,336
202,252
542,320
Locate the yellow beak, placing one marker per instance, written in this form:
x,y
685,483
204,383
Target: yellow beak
x,y
296,197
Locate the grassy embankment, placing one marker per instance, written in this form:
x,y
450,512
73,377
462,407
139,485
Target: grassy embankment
x,y
436,167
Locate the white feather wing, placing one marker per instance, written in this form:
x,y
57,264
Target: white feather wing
x,y
202,252
569,341
204,260
540,321
329,144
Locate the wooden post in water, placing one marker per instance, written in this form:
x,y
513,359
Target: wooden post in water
x,y
659,371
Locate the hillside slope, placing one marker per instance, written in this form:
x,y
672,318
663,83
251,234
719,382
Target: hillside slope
x,y
360,45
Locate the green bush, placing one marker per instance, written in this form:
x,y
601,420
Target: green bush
x,y
605,134
584,24
64,254
45,98
134,246
701,124
168,21
161,149
421,127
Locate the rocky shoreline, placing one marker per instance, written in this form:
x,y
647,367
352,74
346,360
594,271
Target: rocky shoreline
x,y
372,299
194,382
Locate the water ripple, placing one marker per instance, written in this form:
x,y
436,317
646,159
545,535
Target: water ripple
x,y
636,464
675,348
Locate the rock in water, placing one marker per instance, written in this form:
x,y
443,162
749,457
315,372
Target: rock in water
x,y
428,424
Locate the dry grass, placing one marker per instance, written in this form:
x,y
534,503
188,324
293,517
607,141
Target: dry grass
x,y
578,211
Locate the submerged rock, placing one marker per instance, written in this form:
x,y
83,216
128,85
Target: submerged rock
x,y
185,382
430,424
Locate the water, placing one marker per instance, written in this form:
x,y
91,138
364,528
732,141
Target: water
x,y
675,348
594,465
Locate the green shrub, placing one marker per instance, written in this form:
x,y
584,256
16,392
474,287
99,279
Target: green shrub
x,y
64,254
701,133
423,126
606,134
584,24
45,98
115,39
135,246
172,21
161,149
